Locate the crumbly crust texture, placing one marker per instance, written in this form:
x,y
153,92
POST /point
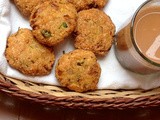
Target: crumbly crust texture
x,y
78,71
52,22
86,4
26,55
26,6
94,31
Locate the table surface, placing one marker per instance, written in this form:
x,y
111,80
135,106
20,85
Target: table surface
x,y
12,108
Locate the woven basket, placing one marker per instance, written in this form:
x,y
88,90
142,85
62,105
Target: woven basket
x,y
100,99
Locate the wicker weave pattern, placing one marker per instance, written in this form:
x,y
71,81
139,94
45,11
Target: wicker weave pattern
x,y
56,96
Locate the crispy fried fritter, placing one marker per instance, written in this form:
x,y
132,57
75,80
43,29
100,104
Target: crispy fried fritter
x,y
78,71
26,6
52,22
86,4
25,54
95,31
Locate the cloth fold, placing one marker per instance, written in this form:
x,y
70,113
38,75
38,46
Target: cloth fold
x,y
113,76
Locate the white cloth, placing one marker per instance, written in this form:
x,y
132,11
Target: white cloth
x,y
113,75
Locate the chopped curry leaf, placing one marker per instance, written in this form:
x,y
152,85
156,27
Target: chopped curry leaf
x,y
46,33
64,25
80,63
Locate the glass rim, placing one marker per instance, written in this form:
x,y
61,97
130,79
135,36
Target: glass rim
x,y
132,35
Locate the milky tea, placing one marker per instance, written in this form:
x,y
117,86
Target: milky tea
x,y
137,45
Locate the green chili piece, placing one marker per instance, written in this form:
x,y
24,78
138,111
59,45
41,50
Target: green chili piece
x,y
64,25
46,33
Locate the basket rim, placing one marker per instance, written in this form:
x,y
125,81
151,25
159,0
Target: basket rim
x,y
76,102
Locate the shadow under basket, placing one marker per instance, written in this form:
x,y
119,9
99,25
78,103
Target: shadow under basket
x,y
100,99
